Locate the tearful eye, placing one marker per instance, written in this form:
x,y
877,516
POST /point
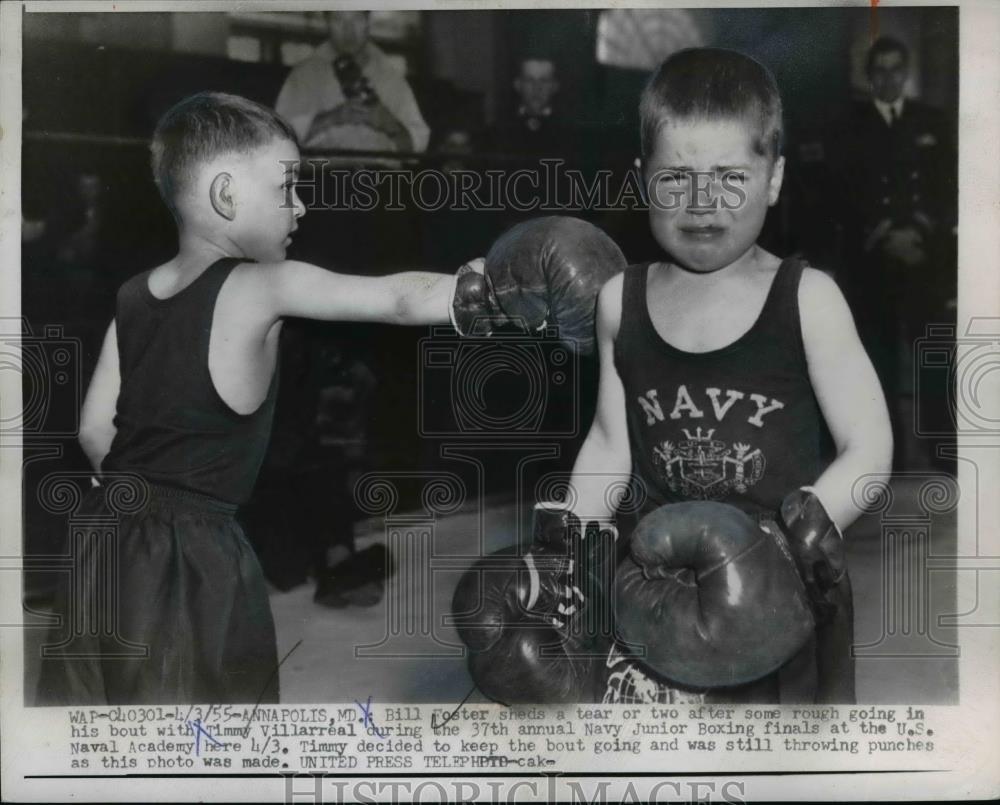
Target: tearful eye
x,y
672,177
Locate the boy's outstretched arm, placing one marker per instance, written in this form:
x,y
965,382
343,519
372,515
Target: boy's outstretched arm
x,y
849,395
604,465
307,291
97,418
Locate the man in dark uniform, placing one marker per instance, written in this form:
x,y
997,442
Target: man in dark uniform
x,y
895,166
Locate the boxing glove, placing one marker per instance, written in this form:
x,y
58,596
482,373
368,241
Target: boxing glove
x,y
474,308
547,272
817,546
537,624
709,599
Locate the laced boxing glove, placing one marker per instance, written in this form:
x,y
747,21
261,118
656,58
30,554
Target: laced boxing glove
x,y
541,273
537,624
817,546
711,598
474,308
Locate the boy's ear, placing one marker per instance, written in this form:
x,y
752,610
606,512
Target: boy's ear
x,y
640,180
774,183
221,194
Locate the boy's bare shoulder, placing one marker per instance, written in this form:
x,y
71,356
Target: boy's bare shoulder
x,y
610,295
823,311
614,285
609,304
256,276
136,281
818,287
254,269
279,269
253,289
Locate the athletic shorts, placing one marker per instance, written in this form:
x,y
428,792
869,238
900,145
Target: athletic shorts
x,y
184,619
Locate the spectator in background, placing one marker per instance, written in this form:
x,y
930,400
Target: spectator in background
x,y
65,257
81,245
536,127
302,518
350,95
896,166
455,145
347,384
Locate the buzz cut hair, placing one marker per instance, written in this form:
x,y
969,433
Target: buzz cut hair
x,y
713,84
205,126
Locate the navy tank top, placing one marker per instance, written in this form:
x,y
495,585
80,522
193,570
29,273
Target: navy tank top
x,y
173,427
739,424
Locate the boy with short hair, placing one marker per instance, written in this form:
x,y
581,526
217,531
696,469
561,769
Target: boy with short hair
x,y
183,396
721,362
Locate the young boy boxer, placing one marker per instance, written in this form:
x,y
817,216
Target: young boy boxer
x,y
721,362
183,396
719,365
184,390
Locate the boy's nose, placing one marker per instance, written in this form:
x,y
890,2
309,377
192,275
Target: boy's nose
x,y
703,199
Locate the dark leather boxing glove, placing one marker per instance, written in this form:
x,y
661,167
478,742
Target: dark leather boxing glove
x,y
818,548
537,624
547,272
474,308
713,599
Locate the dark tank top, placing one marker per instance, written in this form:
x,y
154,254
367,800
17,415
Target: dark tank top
x,y
173,427
740,424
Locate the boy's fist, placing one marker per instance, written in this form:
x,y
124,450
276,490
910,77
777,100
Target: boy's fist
x,y
541,273
474,308
817,545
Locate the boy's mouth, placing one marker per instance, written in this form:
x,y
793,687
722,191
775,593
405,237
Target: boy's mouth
x,y
702,231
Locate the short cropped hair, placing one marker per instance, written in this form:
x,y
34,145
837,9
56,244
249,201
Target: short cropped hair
x,y
883,45
203,127
713,83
